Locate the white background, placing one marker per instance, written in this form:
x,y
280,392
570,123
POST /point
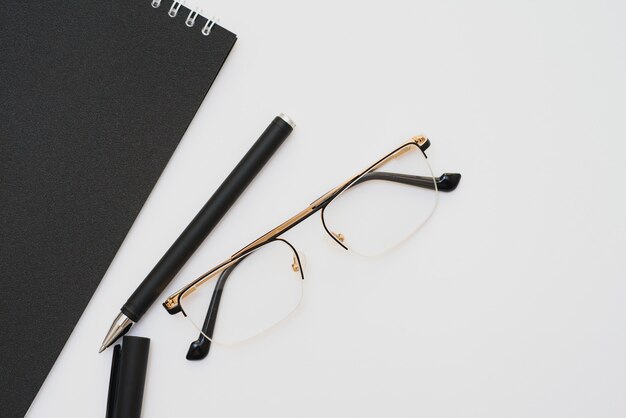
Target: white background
x,y
510,302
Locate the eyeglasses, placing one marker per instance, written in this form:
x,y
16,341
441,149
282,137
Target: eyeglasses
x,y
261,285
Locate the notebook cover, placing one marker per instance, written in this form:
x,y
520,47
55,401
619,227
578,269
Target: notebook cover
x,y
94,98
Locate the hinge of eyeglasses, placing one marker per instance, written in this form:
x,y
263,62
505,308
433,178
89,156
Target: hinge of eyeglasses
x,y
421,142
171,303
420,139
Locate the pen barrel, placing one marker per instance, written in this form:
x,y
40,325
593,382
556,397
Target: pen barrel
x,y
203,223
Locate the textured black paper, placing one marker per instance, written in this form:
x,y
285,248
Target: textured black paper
x,y
94,98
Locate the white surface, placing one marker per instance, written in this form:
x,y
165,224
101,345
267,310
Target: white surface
x,y
508,303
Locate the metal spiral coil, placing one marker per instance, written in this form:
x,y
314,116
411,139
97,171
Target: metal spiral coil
x,y
191,18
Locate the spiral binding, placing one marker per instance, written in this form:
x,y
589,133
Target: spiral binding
x,y
191,18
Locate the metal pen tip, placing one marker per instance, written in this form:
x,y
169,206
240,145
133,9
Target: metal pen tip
x,y
121,325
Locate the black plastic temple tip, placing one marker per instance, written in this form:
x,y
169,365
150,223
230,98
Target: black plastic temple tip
x,y
199,349
447,182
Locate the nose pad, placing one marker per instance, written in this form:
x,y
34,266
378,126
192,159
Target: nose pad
x,y
295,266
340,237
334,238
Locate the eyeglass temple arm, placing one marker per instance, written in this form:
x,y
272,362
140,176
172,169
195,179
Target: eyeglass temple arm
x,y
447,182
199,349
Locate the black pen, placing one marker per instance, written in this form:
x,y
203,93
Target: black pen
x,y
199,228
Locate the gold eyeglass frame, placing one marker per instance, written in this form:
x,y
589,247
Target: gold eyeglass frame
x,y
173,303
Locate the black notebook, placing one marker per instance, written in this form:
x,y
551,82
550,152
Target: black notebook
x,y
94,98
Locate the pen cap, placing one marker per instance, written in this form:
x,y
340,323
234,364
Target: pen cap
x,y
128,376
